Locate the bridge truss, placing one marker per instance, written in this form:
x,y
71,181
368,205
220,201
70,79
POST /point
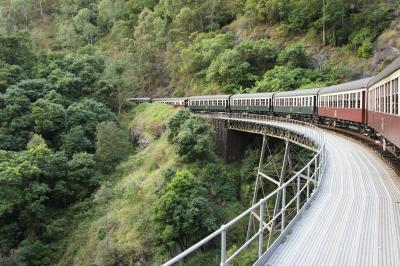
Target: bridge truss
x,y
271,216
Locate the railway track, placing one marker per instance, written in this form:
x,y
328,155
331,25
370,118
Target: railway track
x,y
387,156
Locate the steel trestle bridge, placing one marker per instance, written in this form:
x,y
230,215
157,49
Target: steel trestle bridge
x,y
344,209
305,182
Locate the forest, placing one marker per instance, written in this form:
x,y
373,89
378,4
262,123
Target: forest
x,y
88,179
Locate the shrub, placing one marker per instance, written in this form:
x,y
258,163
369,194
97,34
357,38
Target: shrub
x,y
176,121
183,214
294,56
194,140
111,145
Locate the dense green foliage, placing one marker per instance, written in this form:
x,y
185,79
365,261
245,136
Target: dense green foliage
x,y
152,45
66,69
48,119
183,213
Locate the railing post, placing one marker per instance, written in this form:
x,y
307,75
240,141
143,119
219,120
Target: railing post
x,y
261,230
315,171
283,208
317,160
298,194
308,182
223,246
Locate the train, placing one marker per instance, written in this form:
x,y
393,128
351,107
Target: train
x,y
370,105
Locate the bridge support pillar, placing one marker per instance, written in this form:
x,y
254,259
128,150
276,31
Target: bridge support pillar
x,y
230,144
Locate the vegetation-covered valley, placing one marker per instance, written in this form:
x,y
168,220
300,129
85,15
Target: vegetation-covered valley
x,y
88,179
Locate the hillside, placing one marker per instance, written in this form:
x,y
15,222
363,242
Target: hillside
x,y
123,227
88,179
163,48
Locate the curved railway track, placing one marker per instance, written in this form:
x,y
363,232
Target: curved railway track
x,y
355,217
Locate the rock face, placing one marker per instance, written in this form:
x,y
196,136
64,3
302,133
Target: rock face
x,y
138,139
387,46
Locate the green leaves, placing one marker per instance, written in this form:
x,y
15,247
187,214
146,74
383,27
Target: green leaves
x,y
282,78
294,56
192,136
183,213
230,71
111,145
176,121
48,117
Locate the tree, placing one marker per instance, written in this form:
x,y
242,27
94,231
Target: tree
x,y
193,141
76,140
110,12
87,113
294,56
120,83
10,75
204,49
230,71
176,121
133,8
48,117
270,11
183,214
219,183
84,26
261,54
282,78
149,42
16,49
34,252
15,113
111,145
82,175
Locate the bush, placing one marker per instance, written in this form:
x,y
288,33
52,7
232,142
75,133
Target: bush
x,y
219,183
261,54
111,146
33,253
176,121
183,214
294,56
282,78
194,140
365,50
230,71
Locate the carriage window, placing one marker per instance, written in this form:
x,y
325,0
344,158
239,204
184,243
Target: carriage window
x,y
396,90
385,98
377,98
382,105
358,100
346,100
257,102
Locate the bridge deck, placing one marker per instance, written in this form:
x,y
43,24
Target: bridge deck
x,y
355,217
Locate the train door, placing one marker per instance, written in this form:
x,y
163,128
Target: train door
x,y
315,105
364,101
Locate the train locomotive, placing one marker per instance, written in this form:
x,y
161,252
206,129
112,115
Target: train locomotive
x,y
370,105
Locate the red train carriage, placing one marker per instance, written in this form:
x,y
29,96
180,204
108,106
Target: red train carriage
x,y
384,104
344,103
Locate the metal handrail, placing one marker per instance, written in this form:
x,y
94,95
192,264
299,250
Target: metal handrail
x,y
318,162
